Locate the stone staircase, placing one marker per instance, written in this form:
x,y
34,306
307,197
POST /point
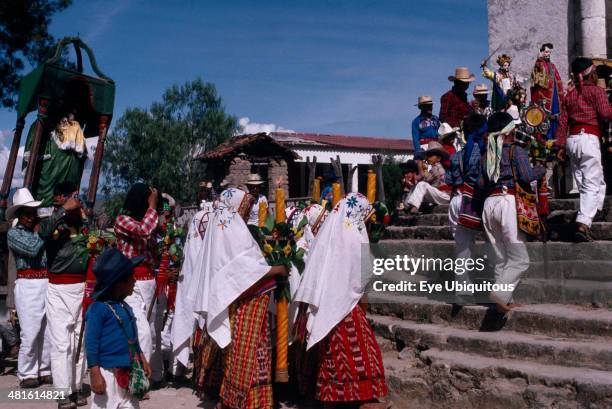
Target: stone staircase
x,y
553,352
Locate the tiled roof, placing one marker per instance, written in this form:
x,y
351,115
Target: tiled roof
x,y
235,145
344,141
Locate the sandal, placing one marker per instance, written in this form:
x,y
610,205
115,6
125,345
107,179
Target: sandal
x,y
582,234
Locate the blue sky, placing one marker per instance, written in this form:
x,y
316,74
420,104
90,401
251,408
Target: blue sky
x,y
350,67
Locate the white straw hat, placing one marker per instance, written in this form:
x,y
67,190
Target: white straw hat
x,y
21,198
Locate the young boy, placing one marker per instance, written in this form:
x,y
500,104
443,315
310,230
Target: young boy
x,y
111,337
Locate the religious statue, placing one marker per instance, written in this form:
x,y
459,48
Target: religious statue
x,y
503,81
547,87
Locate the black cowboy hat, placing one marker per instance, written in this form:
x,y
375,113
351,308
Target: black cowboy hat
x,y
111,267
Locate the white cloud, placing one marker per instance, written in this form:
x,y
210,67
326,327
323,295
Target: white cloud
x,y
254,127
6,139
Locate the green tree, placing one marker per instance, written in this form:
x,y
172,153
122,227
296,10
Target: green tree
x,y
392,177
158,145
23,38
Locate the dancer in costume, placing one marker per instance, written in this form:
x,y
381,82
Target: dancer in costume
x,y
350,366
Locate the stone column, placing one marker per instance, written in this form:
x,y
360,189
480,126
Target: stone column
x,y
278,169
355,180
239,171
593,28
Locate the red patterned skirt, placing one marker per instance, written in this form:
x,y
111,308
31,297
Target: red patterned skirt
x,y
350,362
247,374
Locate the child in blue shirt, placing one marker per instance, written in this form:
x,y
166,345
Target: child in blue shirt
x,y
111,337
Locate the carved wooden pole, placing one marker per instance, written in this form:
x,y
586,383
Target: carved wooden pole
x,y
377,161
97,163
312,169
43,105
337,166
10,168
350,186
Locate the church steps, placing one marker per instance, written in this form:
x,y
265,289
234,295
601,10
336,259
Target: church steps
x,y
598,250
553,204
443,379
553,320
592,353
600,230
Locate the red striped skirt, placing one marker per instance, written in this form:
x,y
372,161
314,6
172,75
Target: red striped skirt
x,y
350,362
247,374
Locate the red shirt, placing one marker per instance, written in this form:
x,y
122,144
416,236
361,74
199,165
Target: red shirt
x,y
453,108
135,238
584,107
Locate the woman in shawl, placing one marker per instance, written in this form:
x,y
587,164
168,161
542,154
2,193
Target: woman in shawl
x,y
350,366
232,291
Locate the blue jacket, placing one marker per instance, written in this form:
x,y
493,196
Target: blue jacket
x,y
424,128
106,343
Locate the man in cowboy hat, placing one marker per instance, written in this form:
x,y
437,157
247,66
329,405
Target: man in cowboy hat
x,y
28,248
425,125
254,183
480,103
67,272
454,104
585,108
432,187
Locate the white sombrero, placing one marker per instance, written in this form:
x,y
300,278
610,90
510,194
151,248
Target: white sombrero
x,y
21,198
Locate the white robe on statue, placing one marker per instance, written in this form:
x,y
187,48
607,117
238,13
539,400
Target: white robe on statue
x,y
332,281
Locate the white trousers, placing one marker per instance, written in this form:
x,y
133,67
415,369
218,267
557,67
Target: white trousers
x,y
141,298
156,328
115,397
585,158
464,237
34,352
511,257
425,191
64,318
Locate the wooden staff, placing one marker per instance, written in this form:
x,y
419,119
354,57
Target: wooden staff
x,y
10,167
43,104
97,163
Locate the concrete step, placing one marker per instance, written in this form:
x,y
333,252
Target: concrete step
x,y
552,320
593,353
451,379
554,204
598,250
441,219
529,290
600,231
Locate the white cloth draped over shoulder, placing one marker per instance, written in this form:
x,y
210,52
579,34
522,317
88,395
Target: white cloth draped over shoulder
x,y
184,321
331,282
231,263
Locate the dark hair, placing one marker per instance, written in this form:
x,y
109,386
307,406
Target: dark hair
x,y
473,123
410,166
136,201
498,121
580,64
546,45
64,188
